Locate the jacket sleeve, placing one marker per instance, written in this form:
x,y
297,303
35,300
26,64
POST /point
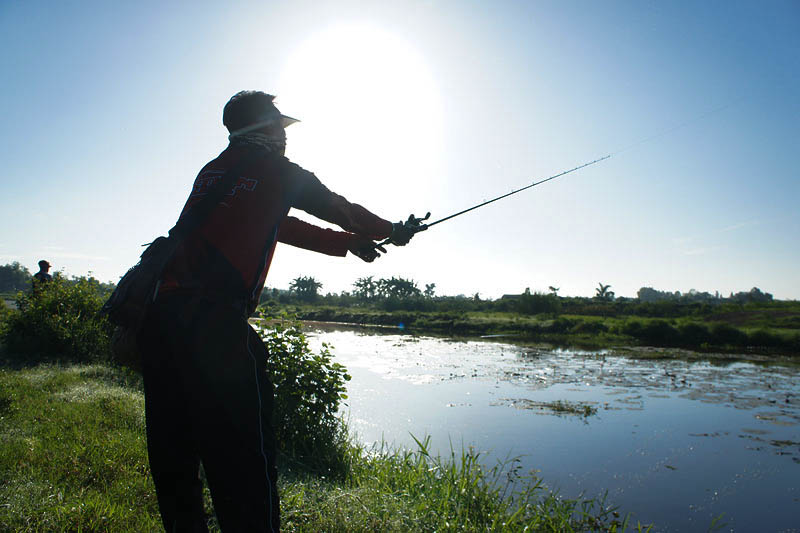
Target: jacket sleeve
x,y
304,235
316,199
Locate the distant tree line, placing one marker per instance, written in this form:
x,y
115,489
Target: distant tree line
x,y
648,294
398,293
15,277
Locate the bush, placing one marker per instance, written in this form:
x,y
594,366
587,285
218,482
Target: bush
x,y
560,325
764,339
59,322
655,332
725,335
592,327
14,277
406,303
694,334
5,311
308,390
537,303
632,328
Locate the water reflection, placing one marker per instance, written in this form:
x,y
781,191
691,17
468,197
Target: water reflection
x,y
677,442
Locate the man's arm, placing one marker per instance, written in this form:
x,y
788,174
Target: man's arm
x,y
298,233
316,199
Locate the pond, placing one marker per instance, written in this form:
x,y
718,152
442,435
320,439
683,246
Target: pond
x,y
676,443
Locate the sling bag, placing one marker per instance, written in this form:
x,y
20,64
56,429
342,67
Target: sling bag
x,y
137,289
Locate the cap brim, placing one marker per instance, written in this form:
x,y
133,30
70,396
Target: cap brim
x,y
285,121
288,121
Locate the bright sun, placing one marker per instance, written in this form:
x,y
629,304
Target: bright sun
x,y
370,110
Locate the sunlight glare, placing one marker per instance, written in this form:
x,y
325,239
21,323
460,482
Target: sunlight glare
x,y
370,110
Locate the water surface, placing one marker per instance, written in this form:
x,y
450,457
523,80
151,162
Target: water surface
x,y
675,442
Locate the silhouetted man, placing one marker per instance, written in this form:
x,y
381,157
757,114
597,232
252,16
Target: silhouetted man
x,y
207,395
42,276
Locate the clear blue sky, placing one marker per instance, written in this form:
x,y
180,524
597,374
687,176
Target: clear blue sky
x,y
110,109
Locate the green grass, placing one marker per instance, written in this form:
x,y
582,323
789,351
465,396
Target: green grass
x,y
764,329
73,451
399,491
73,458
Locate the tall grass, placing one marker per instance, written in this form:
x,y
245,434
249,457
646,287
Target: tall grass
x,y
412,490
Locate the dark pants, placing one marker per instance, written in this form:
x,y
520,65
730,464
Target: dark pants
x,y
208,399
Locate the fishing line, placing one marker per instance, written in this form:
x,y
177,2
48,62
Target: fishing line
x,y
681,125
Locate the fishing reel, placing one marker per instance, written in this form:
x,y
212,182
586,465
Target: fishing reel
x,y
409,228
416,224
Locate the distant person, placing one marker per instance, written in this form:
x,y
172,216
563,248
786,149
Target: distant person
x,y
42,276
207,396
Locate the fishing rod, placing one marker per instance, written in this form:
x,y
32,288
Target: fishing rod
x,y
416,224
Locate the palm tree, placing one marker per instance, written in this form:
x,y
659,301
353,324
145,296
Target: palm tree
x,y
305,287
430,288
603,293
365,288
397,288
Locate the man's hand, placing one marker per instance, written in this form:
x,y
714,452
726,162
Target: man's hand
x,y
401,234
403,231
365,249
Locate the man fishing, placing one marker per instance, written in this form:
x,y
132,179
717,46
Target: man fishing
x,y
208,399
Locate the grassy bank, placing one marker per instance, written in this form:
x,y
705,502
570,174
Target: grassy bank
x,y
769,329
73,458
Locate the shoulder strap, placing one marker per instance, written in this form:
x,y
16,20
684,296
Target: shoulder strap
x,y
201,210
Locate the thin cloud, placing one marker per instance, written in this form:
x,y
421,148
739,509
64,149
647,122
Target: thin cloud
x,y
702,250
71,255
740,225
727,229
50,254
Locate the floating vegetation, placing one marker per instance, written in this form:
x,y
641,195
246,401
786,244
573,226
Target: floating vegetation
x,y
557,407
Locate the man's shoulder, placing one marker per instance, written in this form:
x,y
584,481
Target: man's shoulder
x,y
274,163
264,158
266,165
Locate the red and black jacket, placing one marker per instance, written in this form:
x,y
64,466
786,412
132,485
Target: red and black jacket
x,y
230,253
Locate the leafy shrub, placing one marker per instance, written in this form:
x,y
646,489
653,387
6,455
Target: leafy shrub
x,y
14,277
725,335
406,303
59,322
589,326
632,328
794,343
535,303
763,338
308,389
659,332
655,332
560,325
5,311
692,334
